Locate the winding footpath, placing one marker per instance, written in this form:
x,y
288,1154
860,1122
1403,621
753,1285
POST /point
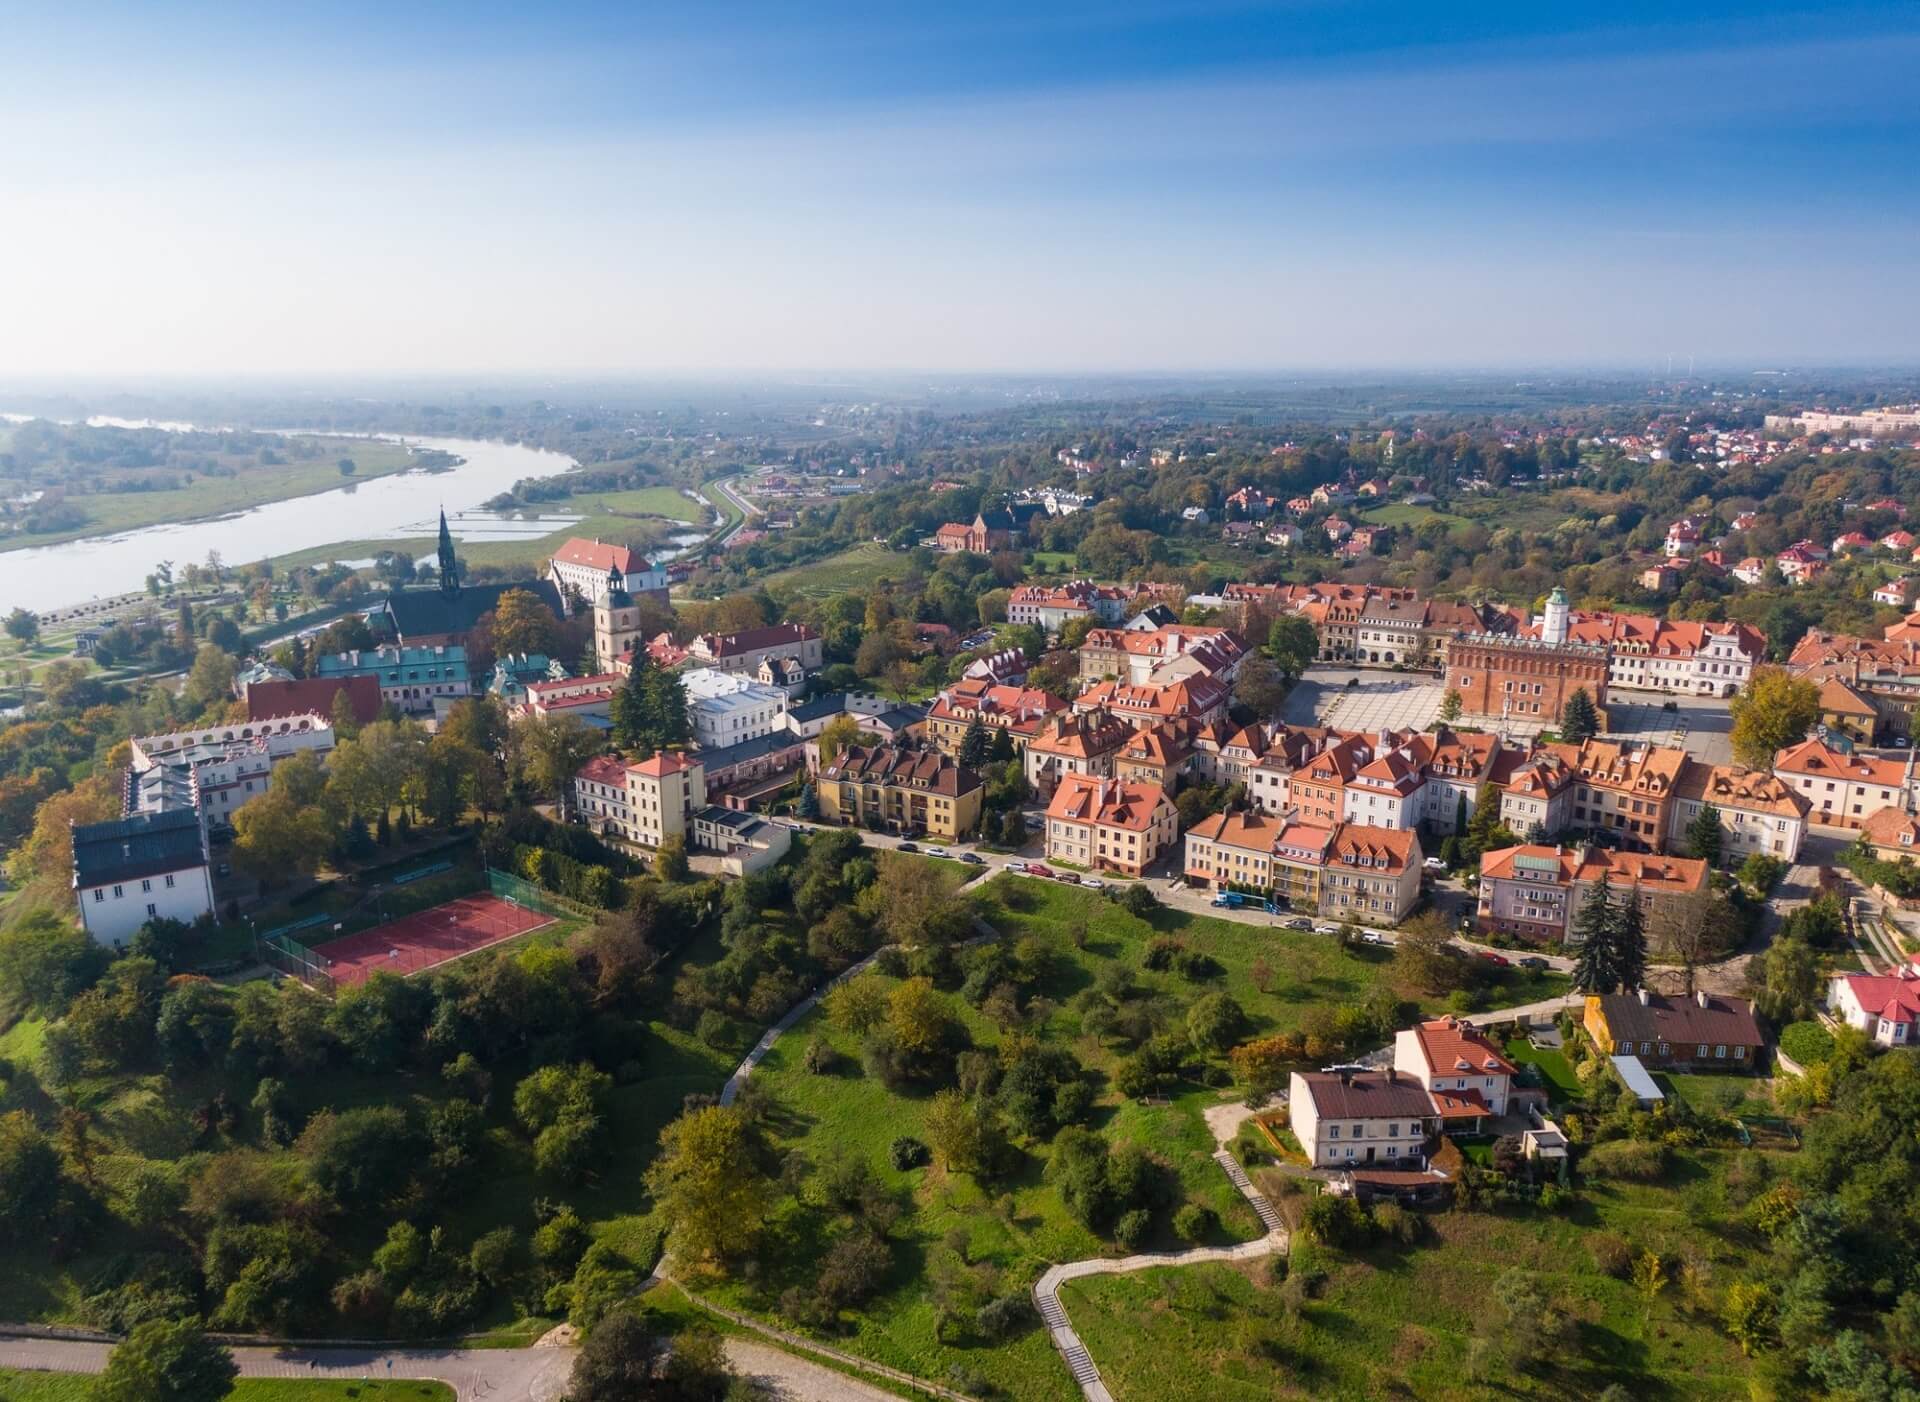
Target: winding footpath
x,y
1046,1290
474,1374
536,1374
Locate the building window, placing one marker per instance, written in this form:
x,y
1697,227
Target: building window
x,y
98,895
117,893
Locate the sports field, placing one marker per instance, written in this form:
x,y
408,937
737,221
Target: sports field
x,y
428,937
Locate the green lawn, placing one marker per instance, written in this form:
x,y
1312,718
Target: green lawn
x,y
1401,1322
109,512
1400,514
1555,1069
850,570
1728,1093
644,501
20,1386
1017,1227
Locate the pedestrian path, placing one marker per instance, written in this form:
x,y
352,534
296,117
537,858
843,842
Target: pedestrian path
x,y
1046,1295
1236,1175
1046,1290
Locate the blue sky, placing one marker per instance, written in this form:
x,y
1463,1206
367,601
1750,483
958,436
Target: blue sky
x,y
982,187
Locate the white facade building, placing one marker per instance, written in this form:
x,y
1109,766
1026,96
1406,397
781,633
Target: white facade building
x,y
150,866
727,708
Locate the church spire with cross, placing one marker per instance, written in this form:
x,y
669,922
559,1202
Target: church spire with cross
x,y
449,564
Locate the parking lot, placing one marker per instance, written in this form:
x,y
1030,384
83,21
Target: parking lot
x,y
1701,725
1380,700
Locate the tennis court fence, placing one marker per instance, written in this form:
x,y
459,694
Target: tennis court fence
x,y
282,951
520,891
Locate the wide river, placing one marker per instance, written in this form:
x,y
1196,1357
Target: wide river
x,y
400,506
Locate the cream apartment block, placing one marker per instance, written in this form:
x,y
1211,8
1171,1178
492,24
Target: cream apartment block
x,y
1347,1118
644,803
1109,824
1759,812
1842,789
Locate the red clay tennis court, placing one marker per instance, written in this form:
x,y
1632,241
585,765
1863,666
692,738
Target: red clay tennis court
x,y
428,937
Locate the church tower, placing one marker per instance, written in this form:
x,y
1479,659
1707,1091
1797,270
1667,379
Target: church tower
x,y
616,623
449,563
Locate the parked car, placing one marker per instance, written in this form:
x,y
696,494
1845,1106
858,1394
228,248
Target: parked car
x,y
1034,822
1093,884
938,852
1326,929
1492,958
1532,961
1071,878
1374,937
973,859
1039,869
1300,924
1434,864
906,847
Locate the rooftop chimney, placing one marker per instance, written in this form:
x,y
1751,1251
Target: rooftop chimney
x,y
1642,995
1700,996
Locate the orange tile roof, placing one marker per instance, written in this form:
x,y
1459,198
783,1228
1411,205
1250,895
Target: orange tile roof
x,y
1643,870
1504,864
1730,786
1361,845
1109,803
1886,828
1454,1048
601,556
1816,759
666,762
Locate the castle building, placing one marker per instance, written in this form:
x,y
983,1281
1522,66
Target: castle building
x,y
1526,679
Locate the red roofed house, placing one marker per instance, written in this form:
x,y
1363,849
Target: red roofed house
x,y
644,803
1372,875
585,697
314,696
593,568
1884,1006
1467,1075
1844,789
746,650
1893,834
1018,711
1851,540
1109,825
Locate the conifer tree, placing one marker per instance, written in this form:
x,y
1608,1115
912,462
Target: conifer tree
x,y
666,700
1629,941
1704,835
1578,718
974,746
1596,968
629,710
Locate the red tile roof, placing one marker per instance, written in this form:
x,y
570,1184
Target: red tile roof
x,y
600,556
1454,1048
664,763
314,696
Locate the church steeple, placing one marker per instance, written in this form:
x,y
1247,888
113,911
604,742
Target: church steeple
x,y
449,564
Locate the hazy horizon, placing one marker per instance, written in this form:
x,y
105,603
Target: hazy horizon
x,y
1161,190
